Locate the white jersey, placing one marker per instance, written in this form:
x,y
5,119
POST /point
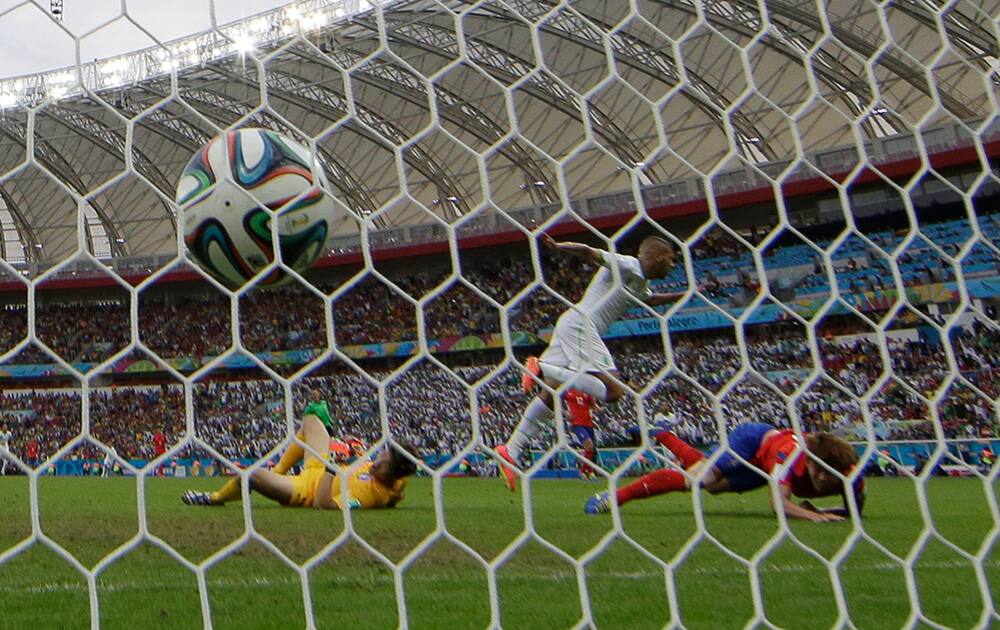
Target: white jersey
x,y
5,437
666,418
605,302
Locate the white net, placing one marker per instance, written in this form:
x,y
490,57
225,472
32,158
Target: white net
x,y
824,170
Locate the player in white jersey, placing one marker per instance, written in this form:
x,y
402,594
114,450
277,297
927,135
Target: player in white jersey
x,y
576,352
5,438
666,416
108,464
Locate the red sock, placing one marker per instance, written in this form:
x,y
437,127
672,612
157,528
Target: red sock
x,y
687,454
591,456
656,482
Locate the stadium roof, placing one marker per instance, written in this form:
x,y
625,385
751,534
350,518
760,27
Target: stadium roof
x,y
530,98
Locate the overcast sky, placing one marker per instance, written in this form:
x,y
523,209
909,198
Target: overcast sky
x,y
31,42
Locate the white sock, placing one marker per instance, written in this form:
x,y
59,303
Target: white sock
x,y
587,383
528,426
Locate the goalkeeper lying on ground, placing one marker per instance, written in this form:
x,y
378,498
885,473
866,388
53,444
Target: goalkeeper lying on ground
x,y
377,484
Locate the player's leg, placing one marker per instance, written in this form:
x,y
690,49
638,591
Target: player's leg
x,y
570,346
294,451
575,345
585,440
585,362
660,482
728,474
271,485
687,455
602,385
539,410
291,456
281,487
266,482
613,390
316,438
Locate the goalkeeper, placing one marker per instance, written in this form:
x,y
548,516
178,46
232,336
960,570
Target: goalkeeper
x,y
377,484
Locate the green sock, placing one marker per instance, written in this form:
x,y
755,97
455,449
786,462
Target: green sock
x,y
321,411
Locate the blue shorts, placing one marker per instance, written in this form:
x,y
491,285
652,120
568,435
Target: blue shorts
x,y
582,433
745,441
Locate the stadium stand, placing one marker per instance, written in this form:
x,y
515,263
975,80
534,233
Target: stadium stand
x,y
244,419
288,318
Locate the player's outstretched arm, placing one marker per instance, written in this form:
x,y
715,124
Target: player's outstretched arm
x,y
579,249
659,299
793,510
323,500
859,499
842,512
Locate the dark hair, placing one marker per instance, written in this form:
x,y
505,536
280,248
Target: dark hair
x,y
653,239
836,452
399,464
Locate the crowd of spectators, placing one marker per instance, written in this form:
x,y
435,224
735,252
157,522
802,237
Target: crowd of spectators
x,y
433,406
711,380
368,309
363,311
236,419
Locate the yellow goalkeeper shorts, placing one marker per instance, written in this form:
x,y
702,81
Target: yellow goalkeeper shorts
x,y
304,484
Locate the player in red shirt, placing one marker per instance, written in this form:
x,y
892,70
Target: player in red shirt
x,y
159,448
766,448
579,410
159,444
33,453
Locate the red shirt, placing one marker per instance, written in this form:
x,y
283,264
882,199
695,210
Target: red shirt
x,y
159,443
578,405
777,449
32,449
340,450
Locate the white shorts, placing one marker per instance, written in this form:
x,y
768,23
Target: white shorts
x,y
576,345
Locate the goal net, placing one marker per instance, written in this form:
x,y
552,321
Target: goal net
x,y
824,172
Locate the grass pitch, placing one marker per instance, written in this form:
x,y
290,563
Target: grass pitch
x,y
446,587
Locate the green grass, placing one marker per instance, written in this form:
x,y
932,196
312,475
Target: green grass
x,y
447,587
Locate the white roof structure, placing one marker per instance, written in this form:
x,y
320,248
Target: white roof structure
x,y
428,110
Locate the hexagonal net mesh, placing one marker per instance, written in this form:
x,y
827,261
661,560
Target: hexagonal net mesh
x,y
820,179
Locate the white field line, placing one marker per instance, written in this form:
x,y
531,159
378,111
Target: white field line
x,y
105,586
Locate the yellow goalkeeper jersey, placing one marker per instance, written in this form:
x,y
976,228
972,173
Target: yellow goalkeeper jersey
x,y
368,492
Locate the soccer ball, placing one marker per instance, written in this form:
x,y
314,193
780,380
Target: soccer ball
x,y
228,232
